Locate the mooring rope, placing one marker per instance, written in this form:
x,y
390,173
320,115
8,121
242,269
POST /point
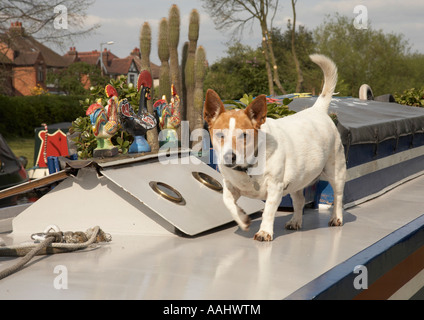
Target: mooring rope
x,y
52,243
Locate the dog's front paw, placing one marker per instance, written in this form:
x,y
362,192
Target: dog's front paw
x,y
293,225
263,236
335,222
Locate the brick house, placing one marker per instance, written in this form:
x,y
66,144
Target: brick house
x,y
24,62
155,69
113,66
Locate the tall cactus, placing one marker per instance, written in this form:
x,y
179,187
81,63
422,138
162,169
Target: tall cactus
x,y
199,75
193,35
145,47
184,54
173,40
163,52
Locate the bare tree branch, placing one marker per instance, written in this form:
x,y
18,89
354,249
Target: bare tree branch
x,y
38,16
235,14
296,61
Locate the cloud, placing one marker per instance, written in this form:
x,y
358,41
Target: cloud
x,y
118,22
121,21
347,6
391,16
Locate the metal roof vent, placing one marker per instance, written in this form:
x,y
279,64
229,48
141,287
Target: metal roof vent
x,y
184,192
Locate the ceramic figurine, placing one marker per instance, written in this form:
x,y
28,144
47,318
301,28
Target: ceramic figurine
x,y
104,123
169,117
137,124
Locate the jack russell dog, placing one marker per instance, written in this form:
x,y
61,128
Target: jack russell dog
x,y
265,159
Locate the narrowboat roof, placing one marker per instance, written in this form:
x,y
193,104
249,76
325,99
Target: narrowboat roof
x,y
147,259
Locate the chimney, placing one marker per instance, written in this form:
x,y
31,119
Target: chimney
x,y
136,52
72,51
16,28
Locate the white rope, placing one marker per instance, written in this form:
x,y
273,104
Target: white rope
x,y
48,243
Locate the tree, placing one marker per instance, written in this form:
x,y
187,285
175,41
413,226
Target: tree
x,y
293,50
305,45
370,56
77,77
241,71
48,21
237,13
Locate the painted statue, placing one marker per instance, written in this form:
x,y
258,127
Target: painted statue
x,y
137,124
169,117
104,123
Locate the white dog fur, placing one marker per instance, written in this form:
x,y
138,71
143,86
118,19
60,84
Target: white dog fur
x,y
300,148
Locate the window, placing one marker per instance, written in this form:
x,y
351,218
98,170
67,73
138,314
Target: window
x,y
40,74
132,78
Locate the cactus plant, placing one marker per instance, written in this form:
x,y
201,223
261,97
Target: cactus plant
x,y
145,47
193,35
163,52
183,106
199,75
173,40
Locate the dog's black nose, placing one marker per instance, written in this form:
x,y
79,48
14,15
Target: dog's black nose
x,y
229,159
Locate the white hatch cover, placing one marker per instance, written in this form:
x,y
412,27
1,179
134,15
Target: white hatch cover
x,y
185,192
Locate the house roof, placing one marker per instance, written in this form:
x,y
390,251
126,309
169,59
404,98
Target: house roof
x,y
155,69
113,64
91,57
120,66
26,49
27,58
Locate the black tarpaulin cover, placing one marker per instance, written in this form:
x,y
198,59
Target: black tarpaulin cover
x,y
367,121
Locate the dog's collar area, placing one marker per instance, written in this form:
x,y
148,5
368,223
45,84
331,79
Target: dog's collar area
x,y
240,168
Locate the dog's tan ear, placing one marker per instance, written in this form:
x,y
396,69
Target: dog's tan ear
x,y
213,107
257,110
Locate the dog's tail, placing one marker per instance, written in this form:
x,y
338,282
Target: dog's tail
x,y
330,80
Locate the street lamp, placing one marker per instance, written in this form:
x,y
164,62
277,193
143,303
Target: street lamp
x,y
101,54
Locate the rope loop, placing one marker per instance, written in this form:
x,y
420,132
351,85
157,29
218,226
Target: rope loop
x,y
52,240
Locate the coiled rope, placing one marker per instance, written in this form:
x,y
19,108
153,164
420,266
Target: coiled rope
x,y
52,242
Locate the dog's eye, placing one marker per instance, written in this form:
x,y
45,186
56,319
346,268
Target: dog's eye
x,y
219,136
243,135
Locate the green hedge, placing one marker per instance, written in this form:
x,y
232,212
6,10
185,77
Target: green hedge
x,y
20,115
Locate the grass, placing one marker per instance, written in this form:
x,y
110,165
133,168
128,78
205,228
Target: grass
x,y
23,147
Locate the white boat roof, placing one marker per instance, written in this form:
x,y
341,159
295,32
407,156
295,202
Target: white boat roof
x,y
146,260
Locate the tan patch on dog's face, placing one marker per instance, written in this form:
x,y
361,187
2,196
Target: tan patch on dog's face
x,y
234,133
234,125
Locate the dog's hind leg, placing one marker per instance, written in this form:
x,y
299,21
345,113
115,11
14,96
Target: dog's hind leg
x,y
298,200
336,218
230,196
335,173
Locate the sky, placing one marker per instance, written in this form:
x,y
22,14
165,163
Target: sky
x,y
120,21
